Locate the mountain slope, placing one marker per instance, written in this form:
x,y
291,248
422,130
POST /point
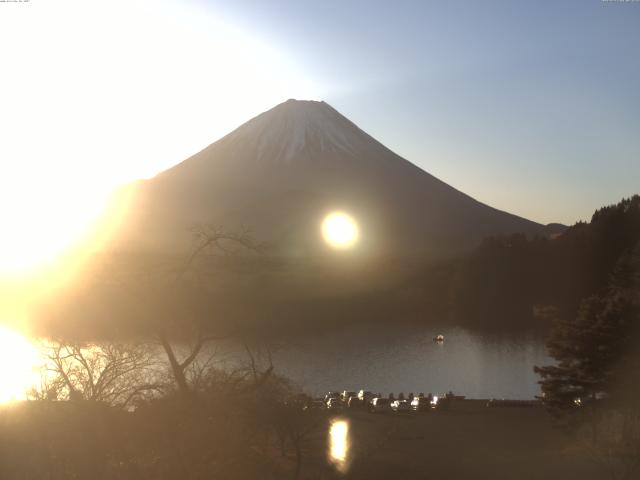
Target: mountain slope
x,y
280,173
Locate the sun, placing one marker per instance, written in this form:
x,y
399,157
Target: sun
x,y
340,230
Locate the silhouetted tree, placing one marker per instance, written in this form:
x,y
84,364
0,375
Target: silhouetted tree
x,y
589,347
113,373
206,240
594,385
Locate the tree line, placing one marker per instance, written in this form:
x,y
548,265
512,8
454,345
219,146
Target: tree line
x,y
513,281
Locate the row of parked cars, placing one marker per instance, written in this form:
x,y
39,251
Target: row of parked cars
x,y
376,403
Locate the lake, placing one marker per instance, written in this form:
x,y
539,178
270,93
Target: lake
x,y
403,358
393,357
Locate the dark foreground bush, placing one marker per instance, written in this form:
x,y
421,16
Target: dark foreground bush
x,y
244,435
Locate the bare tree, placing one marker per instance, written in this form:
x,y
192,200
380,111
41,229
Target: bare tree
x,y
180,367
260,360
113,373
293,421
172,301
207,239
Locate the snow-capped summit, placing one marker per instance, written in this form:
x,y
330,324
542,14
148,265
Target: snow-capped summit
x,y
292,133
281,133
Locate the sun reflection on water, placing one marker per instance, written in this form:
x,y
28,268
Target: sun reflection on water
x,y
339,444
19,365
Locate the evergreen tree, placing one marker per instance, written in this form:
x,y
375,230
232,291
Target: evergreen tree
x,y
507,279
591,348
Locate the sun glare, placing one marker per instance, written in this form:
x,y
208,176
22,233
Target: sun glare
x,y
18,365
340,230
117,91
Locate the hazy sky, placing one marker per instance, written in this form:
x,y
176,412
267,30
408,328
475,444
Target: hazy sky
x,y
532,107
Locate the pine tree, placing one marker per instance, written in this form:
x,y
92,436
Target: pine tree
x,y
591,348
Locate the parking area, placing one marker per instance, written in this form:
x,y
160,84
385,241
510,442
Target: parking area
x,y
469,440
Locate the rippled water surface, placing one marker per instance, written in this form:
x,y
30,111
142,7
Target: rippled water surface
x,y
404,358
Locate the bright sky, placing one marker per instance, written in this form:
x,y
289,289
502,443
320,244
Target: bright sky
x,y
94,94
532,107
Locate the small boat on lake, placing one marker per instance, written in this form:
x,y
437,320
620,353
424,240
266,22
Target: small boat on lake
x,y
438,339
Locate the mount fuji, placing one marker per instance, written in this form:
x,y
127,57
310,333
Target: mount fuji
x,y
280,173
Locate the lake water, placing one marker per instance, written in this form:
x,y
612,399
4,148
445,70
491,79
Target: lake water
x,y
398,357
404,358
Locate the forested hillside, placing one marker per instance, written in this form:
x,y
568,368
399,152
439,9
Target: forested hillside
x,y
516,281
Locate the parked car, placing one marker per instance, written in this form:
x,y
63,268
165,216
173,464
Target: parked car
x,y
355,402
400,406
346,394
330,395
335,404
420,404
447,401
380,405
365,396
